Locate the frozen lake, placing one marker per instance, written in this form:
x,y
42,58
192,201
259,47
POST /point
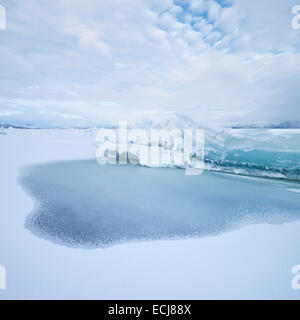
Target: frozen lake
x,y
151,233
81,203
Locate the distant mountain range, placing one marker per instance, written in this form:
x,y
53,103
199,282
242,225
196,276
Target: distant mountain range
x,y
169,121
147,120
281,125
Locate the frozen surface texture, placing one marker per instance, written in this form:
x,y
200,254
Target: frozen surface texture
x,y
253,259
81,203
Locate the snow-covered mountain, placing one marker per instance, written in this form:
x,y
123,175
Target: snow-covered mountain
x,y
278,125
141,119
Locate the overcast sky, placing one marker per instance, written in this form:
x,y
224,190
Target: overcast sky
x,y
87,61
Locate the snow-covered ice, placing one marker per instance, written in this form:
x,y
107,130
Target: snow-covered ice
x,y
250,255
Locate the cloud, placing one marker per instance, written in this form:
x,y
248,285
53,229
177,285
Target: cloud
x,y
216,61
6,113
88,38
